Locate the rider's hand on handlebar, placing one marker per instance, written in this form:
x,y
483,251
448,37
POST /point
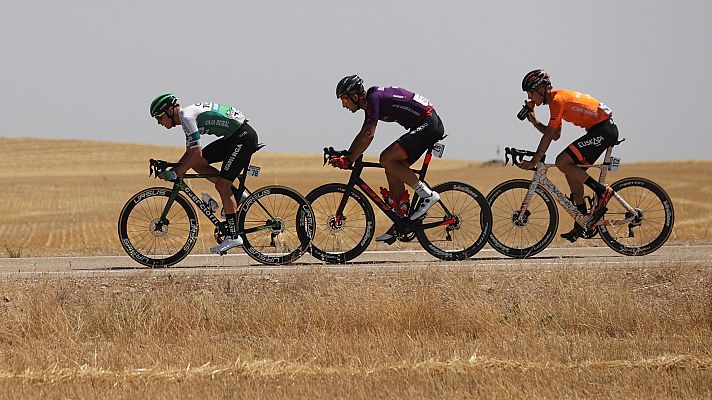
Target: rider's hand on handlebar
x,y
528,165
169,175
340,162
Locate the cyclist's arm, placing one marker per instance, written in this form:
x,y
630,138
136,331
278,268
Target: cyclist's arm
x,y
361,142
188,160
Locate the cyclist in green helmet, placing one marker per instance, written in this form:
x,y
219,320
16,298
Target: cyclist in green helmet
x,y
235,146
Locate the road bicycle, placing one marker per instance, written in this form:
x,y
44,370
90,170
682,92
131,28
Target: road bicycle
x,y
158,226
637,220
454,229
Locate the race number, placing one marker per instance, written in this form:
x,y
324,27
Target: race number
x,y
438,150
615,164
253,170
420,99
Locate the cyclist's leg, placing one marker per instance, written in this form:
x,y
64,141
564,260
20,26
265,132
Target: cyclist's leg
x,y
414,143
395,161
212,153
239,149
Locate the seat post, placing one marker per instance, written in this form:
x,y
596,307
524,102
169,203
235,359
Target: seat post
x,y
606,164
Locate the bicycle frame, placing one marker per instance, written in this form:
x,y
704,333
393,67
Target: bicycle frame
x,y
403,224
179,185
540,179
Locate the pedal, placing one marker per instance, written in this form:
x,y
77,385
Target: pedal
x,y
222,253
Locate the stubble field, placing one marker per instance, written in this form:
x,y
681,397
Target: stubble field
x,y
441,330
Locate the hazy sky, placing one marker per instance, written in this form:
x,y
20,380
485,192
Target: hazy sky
x,y
89,69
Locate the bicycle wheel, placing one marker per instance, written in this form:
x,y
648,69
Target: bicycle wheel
x,y
521,239
148,240
340,240
650,229
468,234
277,224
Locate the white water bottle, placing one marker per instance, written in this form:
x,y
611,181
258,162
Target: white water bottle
x,y
210,202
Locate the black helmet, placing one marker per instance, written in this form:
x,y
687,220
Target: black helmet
x,y
349,84
162,103
535,79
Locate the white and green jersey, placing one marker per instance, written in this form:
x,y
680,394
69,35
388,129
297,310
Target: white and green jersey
x,y
209,119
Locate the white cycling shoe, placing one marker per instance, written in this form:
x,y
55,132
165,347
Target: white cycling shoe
x,y
425,205
226,245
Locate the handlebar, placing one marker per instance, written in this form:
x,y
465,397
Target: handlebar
x,y
518,155
158,166
330,153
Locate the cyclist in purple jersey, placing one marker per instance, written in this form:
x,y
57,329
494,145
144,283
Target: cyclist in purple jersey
x,y
412,111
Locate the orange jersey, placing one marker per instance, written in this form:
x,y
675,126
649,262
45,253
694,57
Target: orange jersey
x,y
578,108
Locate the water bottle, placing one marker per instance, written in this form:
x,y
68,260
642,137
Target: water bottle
x,y
522,114
210,202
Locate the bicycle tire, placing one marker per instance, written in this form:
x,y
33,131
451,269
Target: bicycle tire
x,y
657,220
536,233
293,228
161,247
464,238
338,242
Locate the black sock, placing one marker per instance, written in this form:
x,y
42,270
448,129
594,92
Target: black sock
x,y
595,186
231,225
582,208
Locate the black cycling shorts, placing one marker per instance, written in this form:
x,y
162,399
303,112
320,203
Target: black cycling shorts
x,y
586,149
418,140
235,152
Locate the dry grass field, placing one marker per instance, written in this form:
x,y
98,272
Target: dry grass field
x,y
421,333
441,330
64,197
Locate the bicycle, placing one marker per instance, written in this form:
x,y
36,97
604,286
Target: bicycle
x,y
525,217
454,229
158,227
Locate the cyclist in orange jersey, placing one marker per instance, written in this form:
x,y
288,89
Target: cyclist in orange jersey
x,y
581,110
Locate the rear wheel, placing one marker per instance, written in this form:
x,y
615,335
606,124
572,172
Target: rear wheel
x,y
340,238
652,225
466,219
147,238
278,225
526,236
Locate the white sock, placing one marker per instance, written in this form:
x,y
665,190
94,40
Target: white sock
x,y
422,190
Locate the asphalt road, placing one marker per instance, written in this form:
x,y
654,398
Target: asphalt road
x,y
240,263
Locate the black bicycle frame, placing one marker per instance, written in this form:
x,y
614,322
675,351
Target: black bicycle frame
x,y
179,185
403,224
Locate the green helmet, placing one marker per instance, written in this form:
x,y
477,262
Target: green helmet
x,y
162,103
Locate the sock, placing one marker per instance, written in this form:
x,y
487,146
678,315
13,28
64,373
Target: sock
x,y
582,208
595,186
231,225
422,190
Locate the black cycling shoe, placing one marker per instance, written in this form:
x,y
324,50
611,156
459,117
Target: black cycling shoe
x,y
574,233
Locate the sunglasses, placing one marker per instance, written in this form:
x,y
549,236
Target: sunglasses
x,y
344,99
159,116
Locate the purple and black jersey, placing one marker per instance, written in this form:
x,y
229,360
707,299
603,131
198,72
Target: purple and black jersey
x,y
394,104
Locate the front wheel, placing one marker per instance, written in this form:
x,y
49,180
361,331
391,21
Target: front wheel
x,y
465,219
343,237
649,229
521,236
277,224
150,240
